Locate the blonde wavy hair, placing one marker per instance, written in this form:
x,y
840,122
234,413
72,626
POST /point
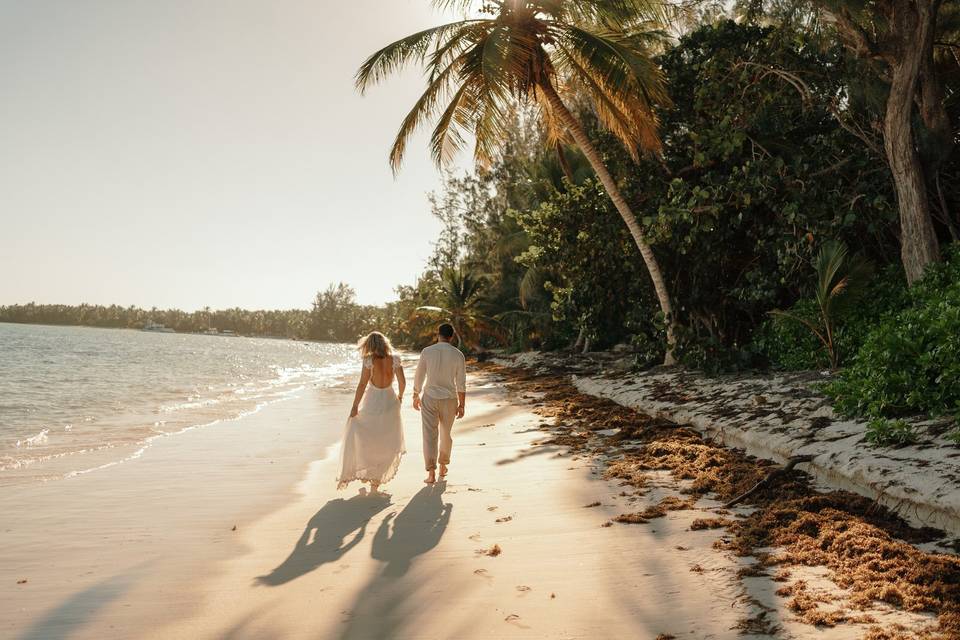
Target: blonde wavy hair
x,y
375,344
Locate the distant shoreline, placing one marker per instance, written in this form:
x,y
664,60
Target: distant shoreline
x,y
182,333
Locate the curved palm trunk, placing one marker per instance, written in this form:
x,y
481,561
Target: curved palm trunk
x,y
653,267
564,164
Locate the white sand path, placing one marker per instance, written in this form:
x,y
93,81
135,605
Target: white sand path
x,y
345,566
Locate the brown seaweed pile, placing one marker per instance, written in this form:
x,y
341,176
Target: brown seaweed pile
x,y
866,547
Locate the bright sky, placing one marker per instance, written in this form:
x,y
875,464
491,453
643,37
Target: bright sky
x,y
183,153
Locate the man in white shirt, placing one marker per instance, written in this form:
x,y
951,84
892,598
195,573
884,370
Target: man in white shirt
x,y
443,367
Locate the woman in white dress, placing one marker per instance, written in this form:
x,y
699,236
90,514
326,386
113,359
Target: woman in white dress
x,y
373,439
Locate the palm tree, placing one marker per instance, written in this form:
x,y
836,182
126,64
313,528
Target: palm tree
x,y
538,51
461,289
841,282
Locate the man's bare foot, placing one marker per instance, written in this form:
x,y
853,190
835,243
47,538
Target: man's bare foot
x,y
431,477
443,471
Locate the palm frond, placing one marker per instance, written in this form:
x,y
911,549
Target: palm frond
x,y
422,110
413,48
531,286
840,277
621,78
447,138
620,14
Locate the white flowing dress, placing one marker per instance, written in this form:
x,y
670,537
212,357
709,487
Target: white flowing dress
x,y
373,439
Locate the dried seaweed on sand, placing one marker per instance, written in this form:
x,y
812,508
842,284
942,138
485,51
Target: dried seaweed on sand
x,y
866,548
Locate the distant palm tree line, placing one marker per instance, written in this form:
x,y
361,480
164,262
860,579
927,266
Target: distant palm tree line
x,y
335,316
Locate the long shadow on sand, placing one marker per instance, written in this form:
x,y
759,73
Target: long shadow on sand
x,y
393,601
73,613
415,531
323,539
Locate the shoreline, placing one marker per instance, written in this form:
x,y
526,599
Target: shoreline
x,y
95,400
88,543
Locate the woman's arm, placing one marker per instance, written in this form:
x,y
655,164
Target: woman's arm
x,y
361,387
401,383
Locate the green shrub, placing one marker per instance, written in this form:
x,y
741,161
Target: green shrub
x,y
910,362
888,433
790,345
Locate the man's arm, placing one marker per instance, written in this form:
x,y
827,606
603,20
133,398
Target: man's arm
x,y
461,387
418,381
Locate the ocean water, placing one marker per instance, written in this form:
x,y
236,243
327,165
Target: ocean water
x,y
76,399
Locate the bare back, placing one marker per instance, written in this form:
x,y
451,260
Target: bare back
x,y
381,372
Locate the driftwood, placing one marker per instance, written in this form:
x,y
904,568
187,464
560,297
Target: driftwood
x,y
776,473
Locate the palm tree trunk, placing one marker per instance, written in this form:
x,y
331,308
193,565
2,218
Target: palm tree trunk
x,y
564,163
593,157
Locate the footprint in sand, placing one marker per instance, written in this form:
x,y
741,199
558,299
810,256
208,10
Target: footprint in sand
x,y
492,508
475,537
523,589
504,519
483,573
514,619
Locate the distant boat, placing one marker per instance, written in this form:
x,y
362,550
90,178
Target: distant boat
x,y
157,328
226,333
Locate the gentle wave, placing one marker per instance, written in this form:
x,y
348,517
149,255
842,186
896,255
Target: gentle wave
x,y
35,440
72,395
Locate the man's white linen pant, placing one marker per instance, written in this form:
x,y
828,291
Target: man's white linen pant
x,y
437,416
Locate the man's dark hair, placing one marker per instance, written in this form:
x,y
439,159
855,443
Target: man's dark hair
x,y
446,331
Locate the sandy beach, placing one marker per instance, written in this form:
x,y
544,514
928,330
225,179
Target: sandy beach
x,y
237,531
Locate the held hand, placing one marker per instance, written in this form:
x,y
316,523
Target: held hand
x,y
460,411
399,398
416,403
354,411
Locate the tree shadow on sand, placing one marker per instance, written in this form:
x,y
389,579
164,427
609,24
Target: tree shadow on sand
x,y
323,538
415,531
